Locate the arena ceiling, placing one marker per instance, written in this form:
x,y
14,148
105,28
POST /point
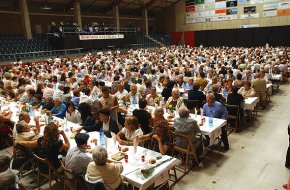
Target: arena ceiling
x,y
126,7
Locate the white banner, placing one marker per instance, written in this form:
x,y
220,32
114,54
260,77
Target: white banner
x,y
249,16
250,26
270,7
190,17
253,2
269,13
209,6
101,37
199,7
284,5
269,1
220,5
209,13
221,18
209,1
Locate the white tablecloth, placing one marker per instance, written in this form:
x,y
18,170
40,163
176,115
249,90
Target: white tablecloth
x,y
250,103
134,160
277,77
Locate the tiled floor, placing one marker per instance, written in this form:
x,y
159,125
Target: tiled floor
x,y
256,157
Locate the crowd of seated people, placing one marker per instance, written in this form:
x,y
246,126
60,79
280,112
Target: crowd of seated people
x,y
97,92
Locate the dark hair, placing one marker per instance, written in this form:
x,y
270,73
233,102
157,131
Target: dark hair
x,y
142,103
68,104
85,111
239,76
105,111
105,89
202,74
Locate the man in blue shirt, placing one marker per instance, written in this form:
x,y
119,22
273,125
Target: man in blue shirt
x,y
217,110
59,108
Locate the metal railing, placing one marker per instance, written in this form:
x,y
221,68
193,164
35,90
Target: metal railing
x,y
38,54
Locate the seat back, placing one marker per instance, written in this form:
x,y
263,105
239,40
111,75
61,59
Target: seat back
x,y
191,104
94,185
72,183
187,141
51,168
233,110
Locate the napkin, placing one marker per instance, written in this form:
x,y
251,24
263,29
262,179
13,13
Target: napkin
x,y
195,113
201,112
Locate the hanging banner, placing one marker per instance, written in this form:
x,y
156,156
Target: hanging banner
x,y
269,13
221,12
270,7
190,9
101,37
283,12
209,6
220,5
199,8
209,1
284,5
232,11
250,10
270,1
249,16
232,3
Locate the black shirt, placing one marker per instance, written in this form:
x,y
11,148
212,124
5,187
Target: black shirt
x,y
144,118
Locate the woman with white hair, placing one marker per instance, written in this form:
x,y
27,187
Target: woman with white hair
x,y
175,100
102,168
59,108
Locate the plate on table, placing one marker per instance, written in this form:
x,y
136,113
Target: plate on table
x,y
118,156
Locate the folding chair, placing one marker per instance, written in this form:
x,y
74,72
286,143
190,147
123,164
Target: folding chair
x,y
71,184
188,151
94,185
234,115
52,171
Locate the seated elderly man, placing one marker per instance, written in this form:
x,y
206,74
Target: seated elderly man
x,y
102,168
76,159
260,85
217,110
22,130
59,108
188,126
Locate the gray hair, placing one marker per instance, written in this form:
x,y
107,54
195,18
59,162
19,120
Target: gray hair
x,y
159,109
211,96
183,111
176,90
4,161
100,156
7,179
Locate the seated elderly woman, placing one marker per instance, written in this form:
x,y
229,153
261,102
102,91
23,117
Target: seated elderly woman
x,y
153,98
49,145
102,168
59,108
247,90
175,100
187,126
158,116
129,132
161,138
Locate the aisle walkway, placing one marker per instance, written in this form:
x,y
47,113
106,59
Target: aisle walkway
x,y
256,157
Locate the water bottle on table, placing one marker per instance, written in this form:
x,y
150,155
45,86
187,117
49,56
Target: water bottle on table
x,y
210,120
102,138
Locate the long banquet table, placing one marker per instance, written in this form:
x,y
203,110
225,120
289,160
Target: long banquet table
x,y
132,169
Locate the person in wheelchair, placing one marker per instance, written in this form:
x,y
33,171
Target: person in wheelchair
x,y
49,145
23,131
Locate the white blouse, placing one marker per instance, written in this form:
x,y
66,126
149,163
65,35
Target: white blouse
x,y
74,117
